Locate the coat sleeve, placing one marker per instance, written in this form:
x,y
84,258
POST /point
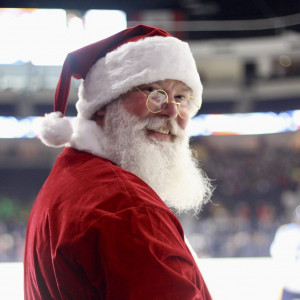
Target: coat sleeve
x,y
141,253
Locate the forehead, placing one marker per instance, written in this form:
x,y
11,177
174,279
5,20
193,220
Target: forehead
x,y
170,83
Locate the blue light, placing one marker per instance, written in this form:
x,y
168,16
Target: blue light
x,y
203,125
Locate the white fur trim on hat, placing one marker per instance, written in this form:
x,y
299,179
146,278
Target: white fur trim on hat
x,y
55,130
134,63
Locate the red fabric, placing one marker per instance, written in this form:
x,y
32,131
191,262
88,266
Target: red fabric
x,y
78,63
97,231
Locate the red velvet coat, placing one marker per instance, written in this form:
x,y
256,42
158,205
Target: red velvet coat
x,y
97,231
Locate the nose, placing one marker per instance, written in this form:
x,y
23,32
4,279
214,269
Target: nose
x,y
170,109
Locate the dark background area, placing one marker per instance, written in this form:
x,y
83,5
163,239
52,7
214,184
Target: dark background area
x,y
190,10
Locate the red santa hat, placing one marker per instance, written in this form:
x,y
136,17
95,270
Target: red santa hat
x,y
112,67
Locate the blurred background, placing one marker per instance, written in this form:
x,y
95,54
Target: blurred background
x,y
246,134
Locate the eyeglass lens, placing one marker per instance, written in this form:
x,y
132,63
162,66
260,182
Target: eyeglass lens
x,y
156,100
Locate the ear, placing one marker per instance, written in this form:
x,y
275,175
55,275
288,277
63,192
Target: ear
x,y
99,116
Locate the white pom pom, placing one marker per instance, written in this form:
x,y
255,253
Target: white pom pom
x,y
55,130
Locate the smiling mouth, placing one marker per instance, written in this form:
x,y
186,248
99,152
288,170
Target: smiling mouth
x,y
162,133
164,129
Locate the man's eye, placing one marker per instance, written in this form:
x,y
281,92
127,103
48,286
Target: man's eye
x,y
149,89
180,98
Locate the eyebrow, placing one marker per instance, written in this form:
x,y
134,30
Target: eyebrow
x,y
187,89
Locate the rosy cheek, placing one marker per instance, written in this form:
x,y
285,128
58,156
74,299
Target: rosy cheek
x,y
136,107
182,123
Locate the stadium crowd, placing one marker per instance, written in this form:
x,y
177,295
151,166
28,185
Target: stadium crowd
x,y
255,191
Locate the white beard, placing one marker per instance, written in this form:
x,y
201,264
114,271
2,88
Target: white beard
x,y
167,167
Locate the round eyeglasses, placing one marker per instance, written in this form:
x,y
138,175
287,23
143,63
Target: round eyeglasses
x,y
157,100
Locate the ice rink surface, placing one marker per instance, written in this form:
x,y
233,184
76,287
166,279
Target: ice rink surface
x,y
234,279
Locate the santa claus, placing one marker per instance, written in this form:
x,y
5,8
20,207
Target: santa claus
x,y
104,224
